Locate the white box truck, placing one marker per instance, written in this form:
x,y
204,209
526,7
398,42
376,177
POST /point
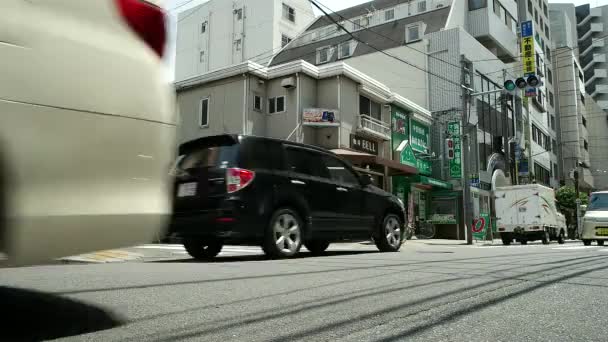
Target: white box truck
x,y
528,212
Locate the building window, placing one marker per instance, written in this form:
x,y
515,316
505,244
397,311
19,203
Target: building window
x,y
203,118
369,107
508,19
586,145
389,15
421,6
553,122
542,175
324,54
289,13
530,7
536,15
257,103
413,33
477,4
204,27
238,13
554,146
547,31
584,121
545,10
285,40
237,45
541,24
551,99
548,53
497,7
276,104
345,49
201,56
357,24
582,98
549,76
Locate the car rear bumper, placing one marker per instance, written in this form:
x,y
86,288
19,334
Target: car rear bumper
x,y
227,225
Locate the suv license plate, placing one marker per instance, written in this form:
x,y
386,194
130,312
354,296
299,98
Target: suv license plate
x,y
186,190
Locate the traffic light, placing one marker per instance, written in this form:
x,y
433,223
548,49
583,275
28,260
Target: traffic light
x,y
449,148
530,81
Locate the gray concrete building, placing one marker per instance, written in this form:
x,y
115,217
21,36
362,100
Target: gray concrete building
x,y
592,28
421,44
333,106
570,98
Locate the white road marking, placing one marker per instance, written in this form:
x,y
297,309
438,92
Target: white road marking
x,y
575,247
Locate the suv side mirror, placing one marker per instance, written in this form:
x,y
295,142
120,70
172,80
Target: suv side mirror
x,y
366,180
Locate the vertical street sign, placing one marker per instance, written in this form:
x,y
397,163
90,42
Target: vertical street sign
x,y
528,55
456,163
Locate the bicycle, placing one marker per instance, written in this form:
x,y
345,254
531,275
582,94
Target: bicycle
x,y
425,231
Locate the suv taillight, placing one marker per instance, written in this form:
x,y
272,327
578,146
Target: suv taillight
x,y
236,179
147,20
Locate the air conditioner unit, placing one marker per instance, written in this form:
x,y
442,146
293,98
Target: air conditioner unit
x,y
288,83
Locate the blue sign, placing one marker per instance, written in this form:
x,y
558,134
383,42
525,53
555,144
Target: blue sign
x,y
527,29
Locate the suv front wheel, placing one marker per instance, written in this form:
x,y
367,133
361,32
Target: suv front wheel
x,y
390,234
283,236
203,249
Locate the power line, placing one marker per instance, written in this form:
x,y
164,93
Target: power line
x,y
377,49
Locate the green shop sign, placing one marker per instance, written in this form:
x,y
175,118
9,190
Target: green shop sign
x,y
408,157
420,136
423,166
399,126
455,164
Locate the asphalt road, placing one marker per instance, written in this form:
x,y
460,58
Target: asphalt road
x,y
426,292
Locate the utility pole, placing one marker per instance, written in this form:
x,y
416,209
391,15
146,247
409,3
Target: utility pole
x,y
466,189
578,199
505,126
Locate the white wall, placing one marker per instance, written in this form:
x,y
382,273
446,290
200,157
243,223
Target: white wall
x,y
259,30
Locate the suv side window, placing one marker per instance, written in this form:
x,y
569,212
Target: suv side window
x,y
261,154
339,172
306,162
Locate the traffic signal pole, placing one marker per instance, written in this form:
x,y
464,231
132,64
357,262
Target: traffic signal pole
x,y
466,187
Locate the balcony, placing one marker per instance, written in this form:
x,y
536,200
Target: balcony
x,y
490,31
593,13
597,73
599,89
374,127
591,44
590,29
595,58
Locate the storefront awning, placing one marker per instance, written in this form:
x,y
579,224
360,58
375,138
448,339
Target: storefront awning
x,y
394,168
435,182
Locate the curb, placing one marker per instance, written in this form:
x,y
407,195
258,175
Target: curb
x,y
103,257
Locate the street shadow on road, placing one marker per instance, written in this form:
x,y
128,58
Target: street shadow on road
x,y
496,284
350,267
37,316
262,257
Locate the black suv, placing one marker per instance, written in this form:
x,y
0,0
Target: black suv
x,y
246,190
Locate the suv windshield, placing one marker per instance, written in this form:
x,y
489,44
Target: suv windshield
x,y
598,202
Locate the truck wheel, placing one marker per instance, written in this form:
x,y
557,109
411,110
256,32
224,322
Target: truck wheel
x,y
561,238
600,242
546,239
524,241
203,249
587,242
506,241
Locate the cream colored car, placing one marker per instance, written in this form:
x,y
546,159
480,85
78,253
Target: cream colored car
x,y
595,221
87,126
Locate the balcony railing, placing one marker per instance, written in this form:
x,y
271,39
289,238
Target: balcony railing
x,y
374,127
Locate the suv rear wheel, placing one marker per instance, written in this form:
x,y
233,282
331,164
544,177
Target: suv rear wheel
x,y
316,247
203,249
283,236
390,234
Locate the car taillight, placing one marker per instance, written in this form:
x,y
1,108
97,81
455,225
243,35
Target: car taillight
x,y
147,20
236,179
